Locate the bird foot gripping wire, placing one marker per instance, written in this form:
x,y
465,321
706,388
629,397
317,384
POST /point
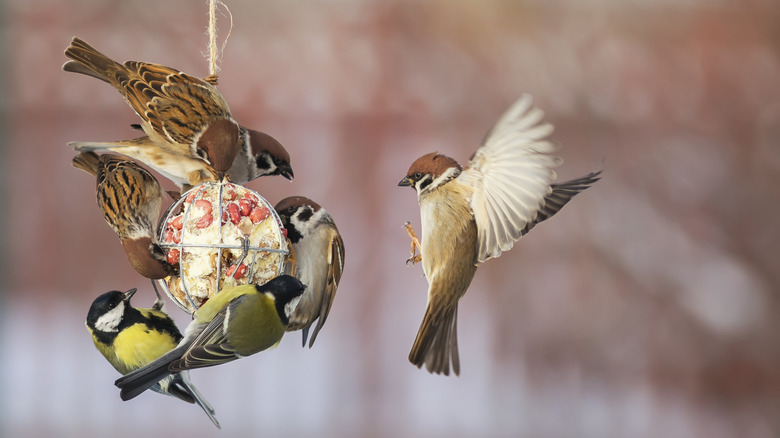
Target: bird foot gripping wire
x,y
416,246
292,261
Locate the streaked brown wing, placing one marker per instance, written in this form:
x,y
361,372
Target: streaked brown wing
x,y
185,109
335,268
125,193
176,105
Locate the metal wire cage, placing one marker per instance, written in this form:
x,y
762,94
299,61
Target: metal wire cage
x,y
240,241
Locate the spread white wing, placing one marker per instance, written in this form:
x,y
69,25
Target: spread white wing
x,y
511,175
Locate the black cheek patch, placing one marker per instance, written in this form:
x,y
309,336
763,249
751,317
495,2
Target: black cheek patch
x,y
262,162
305,214
425,182
293,234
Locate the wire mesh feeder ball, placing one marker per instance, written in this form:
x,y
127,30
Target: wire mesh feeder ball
x,y
225,222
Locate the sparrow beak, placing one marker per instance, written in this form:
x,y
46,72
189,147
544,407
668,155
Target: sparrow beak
x,y
286,171
129,294
406,182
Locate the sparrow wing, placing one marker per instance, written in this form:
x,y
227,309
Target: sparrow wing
x,y
128,195
175,105
335,268
125,168
511,175
171,162
561,194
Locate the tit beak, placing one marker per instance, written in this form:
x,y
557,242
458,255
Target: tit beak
x,y
286,171
406,182
129,294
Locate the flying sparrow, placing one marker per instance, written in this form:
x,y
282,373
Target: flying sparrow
x,y
471,215
319,260
130,199
185,118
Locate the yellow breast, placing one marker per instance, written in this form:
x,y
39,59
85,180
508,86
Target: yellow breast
x,y
136,346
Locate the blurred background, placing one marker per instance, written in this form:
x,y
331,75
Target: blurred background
x,y
648,307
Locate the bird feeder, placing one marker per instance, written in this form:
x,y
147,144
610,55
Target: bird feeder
x,y
220,234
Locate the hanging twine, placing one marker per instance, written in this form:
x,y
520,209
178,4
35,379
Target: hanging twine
x,y
213,50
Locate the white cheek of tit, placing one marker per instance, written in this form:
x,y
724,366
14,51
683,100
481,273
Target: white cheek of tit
x,y
289,308
109,321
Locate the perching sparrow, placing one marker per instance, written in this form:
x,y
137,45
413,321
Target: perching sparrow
x,y
473,214
190,134
259,155
130,199
319,260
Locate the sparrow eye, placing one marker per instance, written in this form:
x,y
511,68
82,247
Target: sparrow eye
x,y
417,176
202,154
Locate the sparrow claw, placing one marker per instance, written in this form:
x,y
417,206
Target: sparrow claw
x,y
212,79
415,258
292,260
173,194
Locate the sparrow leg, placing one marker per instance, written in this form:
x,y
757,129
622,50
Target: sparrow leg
x,y
197,177
415,258
291,260
158,303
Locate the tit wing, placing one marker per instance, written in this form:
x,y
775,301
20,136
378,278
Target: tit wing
x,y
211,346
511,175
335,268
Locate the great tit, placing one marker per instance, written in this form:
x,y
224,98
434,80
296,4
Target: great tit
x,y
130,338
237,322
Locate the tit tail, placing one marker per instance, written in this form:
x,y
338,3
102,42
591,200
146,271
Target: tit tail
x,y
88,61
166,387
182,382
436,345
87,161
134,383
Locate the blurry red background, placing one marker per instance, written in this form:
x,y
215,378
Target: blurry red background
x,y
648,307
